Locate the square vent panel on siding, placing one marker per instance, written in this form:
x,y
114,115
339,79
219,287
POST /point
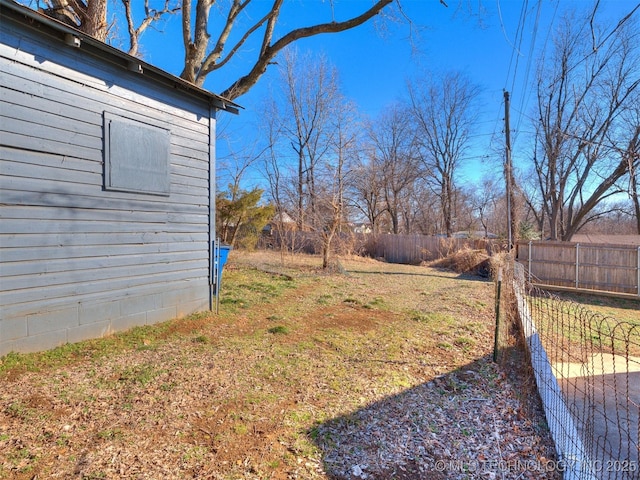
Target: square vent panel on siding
x,y
136,156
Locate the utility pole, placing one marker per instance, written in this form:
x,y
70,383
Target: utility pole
x,y
508,171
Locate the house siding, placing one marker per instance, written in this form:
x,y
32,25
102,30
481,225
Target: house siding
x,y
78,261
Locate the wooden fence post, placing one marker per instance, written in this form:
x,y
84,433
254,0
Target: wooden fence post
x,y
530,245
577,263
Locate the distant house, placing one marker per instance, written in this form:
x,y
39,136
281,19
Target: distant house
x,y
106,187
280,221
361,228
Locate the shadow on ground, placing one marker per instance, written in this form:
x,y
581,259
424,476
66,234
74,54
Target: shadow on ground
x,y
600,300
473,422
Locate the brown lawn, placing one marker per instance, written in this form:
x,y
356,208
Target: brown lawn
x,y
376,371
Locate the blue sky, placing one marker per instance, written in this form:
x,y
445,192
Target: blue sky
x,y
496,44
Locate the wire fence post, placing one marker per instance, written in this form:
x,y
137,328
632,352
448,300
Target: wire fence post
x,y
497,331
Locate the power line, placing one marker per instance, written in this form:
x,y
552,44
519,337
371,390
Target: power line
x,y
504,32
519,32
515,52
525,81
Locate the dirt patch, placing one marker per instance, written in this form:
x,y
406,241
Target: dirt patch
x,y
39,402
346,316
255,436
182,326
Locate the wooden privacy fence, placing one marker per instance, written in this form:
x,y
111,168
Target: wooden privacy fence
x,y
610,268
413,249
408,249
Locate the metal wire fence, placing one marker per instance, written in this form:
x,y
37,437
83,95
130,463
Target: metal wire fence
x,y
587,371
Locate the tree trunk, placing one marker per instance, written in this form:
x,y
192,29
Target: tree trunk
x,y
446,204
634,197
299,220
89,17
553,223
95,21
326,250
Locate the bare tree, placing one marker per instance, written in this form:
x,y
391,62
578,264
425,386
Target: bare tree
x,y
394,152
335,174
151,16
206,52
531,199
310,102
584,87
484,201
634,197
313,133
620,217
276,176
367,189
443,111
632,156
216,32
90,17
427,220
236,167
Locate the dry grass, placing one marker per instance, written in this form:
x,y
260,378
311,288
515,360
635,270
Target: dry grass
x,y
465,260
620,309
382,371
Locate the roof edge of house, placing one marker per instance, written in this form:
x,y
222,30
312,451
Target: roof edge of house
x,y
73,37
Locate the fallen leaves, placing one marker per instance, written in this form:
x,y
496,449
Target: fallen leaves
x,y
350,391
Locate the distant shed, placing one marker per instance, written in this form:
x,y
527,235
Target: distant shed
x,y
107,187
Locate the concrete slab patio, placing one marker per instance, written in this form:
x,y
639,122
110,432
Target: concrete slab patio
x,y
603,395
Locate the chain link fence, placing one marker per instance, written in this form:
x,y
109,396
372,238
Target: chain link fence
x,y
586,368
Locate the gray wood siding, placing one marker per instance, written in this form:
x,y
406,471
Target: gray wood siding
x,y
78,261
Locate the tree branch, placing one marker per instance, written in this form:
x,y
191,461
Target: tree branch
x,y
243,84
210,64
